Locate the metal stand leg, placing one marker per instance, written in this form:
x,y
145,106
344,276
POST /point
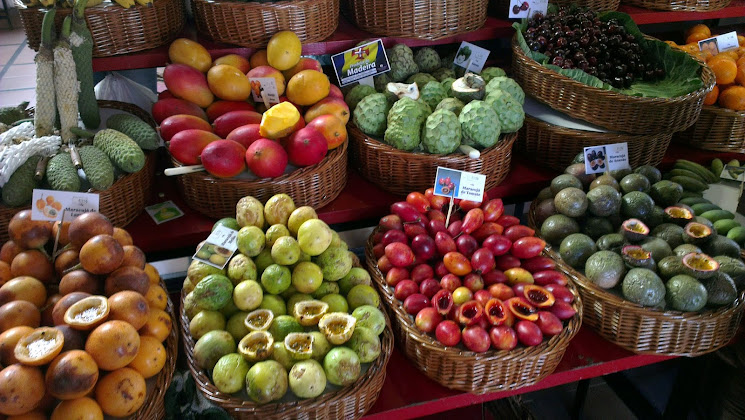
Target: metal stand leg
x,y
580,395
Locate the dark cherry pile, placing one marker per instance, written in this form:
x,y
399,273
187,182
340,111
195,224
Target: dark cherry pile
x,y
579,39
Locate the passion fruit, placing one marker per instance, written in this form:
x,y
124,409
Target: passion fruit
x,y
497,312
72,374
266,381
342,366
113,344
697,233
256,346
365,343
127,278
635,256
23,288
101,254
321,346
79,281
17,313
299,345
229,374
522,309
211,347
259,320
700,266
634,230
680,216
281,355
283,325
87,313
538,296
8,341
21,389
40,346
88,225
307,379
28,233
309,312
337,327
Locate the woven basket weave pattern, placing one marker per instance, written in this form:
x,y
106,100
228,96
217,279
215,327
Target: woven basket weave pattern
x,y
718,129
681,5
116,30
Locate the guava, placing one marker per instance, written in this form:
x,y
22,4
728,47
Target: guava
x,y
307,379
266,381
342,366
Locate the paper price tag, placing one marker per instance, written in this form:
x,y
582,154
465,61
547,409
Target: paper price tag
x,y
459,184
719,43
360,62
526,8
471,56
52,205
736,173
164,212
266,86
218,248
610,157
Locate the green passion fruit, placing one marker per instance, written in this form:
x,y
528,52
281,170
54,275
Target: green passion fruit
x,y
686,294
266,381
634,230
337,327
680,216
365,343
697,233
299,345
259,320
370,317
283,325
681,251
700,266
321,346
721,290
256,346
635,256
307,379
342,366
309,312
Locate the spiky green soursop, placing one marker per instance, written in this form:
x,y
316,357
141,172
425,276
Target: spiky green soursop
x,y
371,114
492,72
509,111
122,150
508,85
401,60
443,73
479,125
421,79
453,105
427,59
381,81
441,133
405,121
432,93
357,93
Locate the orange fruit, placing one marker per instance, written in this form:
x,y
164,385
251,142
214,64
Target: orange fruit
x,y
40,346
308,87
158,325
129,306
8,341
113,344
73,374
152,274
21,389
283,50
19,312
711,97
733,98
87,313
78,409
696,36
23,288
725,70
699,28
31,415
150,358
121,392
191,53
157,297
228,82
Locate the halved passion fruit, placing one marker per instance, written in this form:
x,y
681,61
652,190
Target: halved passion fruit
x,y
538,296
637,257
470,313
697,233
40,346
634,230
309,312
337,327
522,309
442,301
88,313
678,215
700,266
497,313
256,346
299,345
259,320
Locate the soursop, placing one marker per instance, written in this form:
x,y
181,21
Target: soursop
x,y
122,150
371,113
405,121
508,85
421,79
432,93
354,96
381,81
19,189
441,132
453,105
61,173
492,72
401,60
443,73
427,59
99,171
479,125
141,132
509,112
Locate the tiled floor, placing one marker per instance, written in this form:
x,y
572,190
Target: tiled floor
x,y
17,68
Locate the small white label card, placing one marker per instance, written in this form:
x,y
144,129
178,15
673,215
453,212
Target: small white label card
x,y
266,86
472,56
719,43
52,205
459,184
164,212
736,173
219,247
527,8
609,157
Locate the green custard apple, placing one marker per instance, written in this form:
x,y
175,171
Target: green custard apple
x,y
401,60
359,92
492,72
479,125
441,132
420,79
451,104
427,59
469,88
509,110
381,81
432,93
447,83
443,73
371,114
508,85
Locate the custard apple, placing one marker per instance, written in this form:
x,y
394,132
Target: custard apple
x,y
453,105
447,61
469,87
447,83
405,121
427,59
381,81
479,125
420,79
509,111
354,96
432,93
492,72
441,132
508,85
443,73
401,60
371,114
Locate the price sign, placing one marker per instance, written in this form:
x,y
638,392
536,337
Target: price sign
x,y
609,157
218,248
459,184
52,205
360,62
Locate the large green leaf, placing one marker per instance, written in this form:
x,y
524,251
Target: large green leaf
x,y
682,72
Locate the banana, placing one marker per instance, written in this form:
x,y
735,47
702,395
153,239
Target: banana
x,y
125,3
146,3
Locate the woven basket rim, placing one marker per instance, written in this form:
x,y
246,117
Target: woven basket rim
x,y
724,111
577,132
249,5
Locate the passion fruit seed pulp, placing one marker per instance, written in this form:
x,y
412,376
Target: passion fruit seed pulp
x,y
309,312
299,345
701,266
538,296
259,320
522,309
256,346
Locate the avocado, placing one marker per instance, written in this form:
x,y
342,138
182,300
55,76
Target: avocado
x,y
670,267
634,182
603,201
611,242
576,248
605,269
686,294
636,204
557,227
643,287
564,181
670,233
722,245
734,267
650,172
571,202
721,289
666,193
658,247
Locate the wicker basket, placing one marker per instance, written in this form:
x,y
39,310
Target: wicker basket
x,y
554,147
251,24
501,8
124,200
680,5
346,403
115,30
464,370
313,186
718,129
425,19
612,110
644,330
400,172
